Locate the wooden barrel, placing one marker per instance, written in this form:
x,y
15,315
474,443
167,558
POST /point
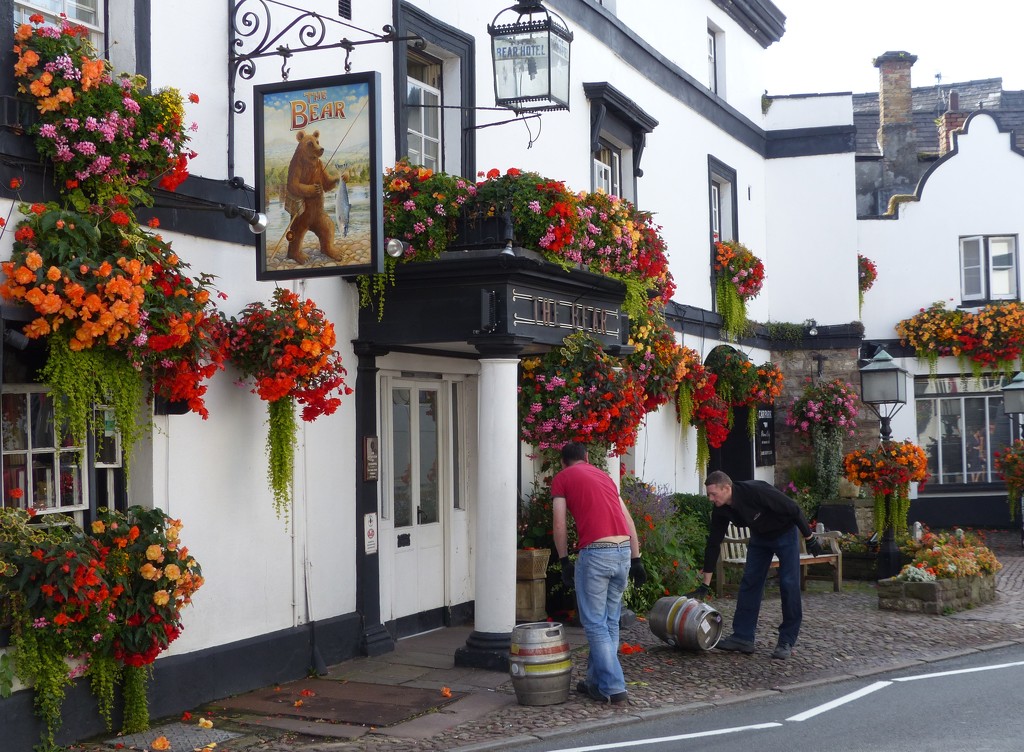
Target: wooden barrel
x,y
540,663
685,623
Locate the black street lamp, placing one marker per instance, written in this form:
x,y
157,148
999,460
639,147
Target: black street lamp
x,y
1013,405
883,388
531,58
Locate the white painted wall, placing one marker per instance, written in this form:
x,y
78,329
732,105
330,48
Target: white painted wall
x,y
973,192
794,214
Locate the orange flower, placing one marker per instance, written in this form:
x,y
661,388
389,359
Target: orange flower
x,y
446,692
160,743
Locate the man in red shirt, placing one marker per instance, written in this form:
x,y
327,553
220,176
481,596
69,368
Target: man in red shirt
x,y
609,552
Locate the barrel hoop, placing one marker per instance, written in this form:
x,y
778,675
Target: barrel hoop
x,y
561,647
538,668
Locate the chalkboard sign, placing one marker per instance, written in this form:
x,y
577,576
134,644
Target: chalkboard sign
x,y
764,436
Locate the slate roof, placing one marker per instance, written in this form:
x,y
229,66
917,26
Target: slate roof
x,y
929,102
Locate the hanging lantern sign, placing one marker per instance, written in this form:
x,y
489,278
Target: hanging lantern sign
x,y
531,58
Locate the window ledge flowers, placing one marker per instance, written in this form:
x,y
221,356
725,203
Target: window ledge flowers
x,y
108,599
287,351
739,277
991,339
114,303
596,231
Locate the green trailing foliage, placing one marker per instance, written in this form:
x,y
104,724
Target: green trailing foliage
x,y
95,376
282,428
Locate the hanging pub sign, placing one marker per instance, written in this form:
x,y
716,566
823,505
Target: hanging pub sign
x,y
764,437
318,168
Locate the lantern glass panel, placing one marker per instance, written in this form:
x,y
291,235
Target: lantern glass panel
x,y
521,65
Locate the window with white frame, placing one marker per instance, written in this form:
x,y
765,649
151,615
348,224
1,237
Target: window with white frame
x,y
618,137
87,13
423,111
722,200
988,268
435,104
42,466
716,59
608,169
960,426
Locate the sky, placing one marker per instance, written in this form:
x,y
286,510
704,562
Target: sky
x,y
829,45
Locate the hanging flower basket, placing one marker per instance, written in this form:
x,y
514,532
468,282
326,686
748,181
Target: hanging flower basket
x,y
1010,464
867,273
578,393
287,351
888,470
739,276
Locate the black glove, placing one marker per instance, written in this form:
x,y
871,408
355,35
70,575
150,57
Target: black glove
x,y
568,572
637,573
814,546
702,592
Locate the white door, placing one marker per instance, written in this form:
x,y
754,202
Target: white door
x,y
418,486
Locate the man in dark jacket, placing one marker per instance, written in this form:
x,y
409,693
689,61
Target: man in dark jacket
x,y
775,521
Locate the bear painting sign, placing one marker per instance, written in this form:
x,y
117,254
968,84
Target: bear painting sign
x,y
318,168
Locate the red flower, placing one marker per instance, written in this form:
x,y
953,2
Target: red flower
x,y
193,98
120,218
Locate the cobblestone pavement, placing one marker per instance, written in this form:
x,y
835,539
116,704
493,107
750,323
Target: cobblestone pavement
x,y
843,635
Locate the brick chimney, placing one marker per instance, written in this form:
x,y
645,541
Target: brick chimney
x,y
952,121
896,139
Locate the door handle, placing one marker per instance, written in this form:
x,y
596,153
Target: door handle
x,y
419,516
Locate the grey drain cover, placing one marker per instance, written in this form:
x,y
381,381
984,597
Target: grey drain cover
x,y
182,737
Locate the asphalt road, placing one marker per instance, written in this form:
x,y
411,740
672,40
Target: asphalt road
x,y
971,702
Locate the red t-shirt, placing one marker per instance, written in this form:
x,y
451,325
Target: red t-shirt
x,y
593,501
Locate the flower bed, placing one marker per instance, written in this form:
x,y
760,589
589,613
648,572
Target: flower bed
x,y
938,597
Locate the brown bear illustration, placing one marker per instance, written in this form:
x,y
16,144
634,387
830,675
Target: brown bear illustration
x,y
308,181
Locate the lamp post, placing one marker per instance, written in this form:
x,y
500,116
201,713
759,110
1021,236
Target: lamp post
x,y
531,58
1013,405
883,388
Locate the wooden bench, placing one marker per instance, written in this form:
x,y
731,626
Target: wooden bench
x,y
734,554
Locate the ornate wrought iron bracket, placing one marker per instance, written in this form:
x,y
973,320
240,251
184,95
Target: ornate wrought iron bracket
x,y
254,35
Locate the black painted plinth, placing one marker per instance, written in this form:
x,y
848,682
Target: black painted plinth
x,y
486,650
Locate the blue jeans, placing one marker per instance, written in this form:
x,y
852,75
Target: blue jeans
x,y
748,601
601,575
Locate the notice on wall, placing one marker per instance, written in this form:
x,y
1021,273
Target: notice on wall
x,y
370,533
764,436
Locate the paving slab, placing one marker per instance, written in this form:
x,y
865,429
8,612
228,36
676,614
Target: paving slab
x,y
467,709
341,702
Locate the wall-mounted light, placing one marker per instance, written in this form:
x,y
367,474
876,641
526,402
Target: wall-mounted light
x,y
531,58
812,327
257,220
395,248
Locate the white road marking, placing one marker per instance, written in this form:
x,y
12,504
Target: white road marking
x,y
839,701
799,717
959,671
660,739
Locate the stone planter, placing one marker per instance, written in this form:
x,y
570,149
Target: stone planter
x,y
939,597
532,563
531,584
